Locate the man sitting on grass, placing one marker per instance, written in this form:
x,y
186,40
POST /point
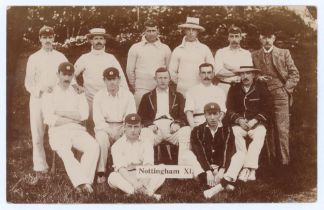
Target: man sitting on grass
x,y
64,110
133,149
212,148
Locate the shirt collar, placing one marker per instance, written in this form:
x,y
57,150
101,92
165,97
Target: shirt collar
x,y
162,91
211,129
117,94
234,49
184,42
268,51
144,41
97,52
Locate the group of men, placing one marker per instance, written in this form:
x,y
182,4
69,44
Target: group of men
x,y
219,128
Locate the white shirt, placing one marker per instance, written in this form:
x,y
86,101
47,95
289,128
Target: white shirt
x,y
185,61
63,100
126,153
213,132
234,57
143,59
92,65
112,108
162,103
268,51
200,95
41,70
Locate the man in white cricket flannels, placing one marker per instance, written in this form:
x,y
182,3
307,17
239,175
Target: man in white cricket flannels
x,y
200,95
248,107
161,110
186,58
64,110
40,78
230,58
93,64
131,150
111,104
144,58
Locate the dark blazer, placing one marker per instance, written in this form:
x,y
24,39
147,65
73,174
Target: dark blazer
x,y
208,150
284,64
147,108
256,103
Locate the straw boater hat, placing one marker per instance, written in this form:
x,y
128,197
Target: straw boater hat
x,y
246,69
192,22
97,32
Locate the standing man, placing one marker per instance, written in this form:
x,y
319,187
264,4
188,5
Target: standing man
x,y
40,78
162,111
93,64
64,110
132,150
281,76
248,106
144,58
186,58
212,147
111,104
202,94
230,58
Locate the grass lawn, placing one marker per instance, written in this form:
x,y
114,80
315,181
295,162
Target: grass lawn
x,y
297,185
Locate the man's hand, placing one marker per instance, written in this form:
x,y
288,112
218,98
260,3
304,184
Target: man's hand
x,y
174,127
264,78
230,67
138,186
154,128
78,89
252,123
243,123
210,179
46,89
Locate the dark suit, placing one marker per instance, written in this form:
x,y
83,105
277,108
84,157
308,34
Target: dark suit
x,y
288,76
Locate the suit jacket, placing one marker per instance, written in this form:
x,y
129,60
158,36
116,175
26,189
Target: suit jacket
x,y
208,150
148,107
284,64
255,104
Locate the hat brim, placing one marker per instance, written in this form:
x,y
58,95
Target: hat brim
x,y
107,36
246,70
188,25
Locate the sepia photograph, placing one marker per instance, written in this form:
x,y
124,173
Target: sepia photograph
x,y
133,104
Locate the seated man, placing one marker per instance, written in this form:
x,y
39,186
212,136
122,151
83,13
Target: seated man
x,y
200,95
133,149
212,147
248,106
64,110
110,106
162,111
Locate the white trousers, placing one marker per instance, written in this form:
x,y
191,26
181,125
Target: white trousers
x,y
180,138
62,141
188,158
117,181
246,157
37,127
105,140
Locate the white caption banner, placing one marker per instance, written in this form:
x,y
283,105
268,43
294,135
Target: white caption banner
x,y
168,171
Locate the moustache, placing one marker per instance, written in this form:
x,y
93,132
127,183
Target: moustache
x,y
207,79
67,81
245,80
99,44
